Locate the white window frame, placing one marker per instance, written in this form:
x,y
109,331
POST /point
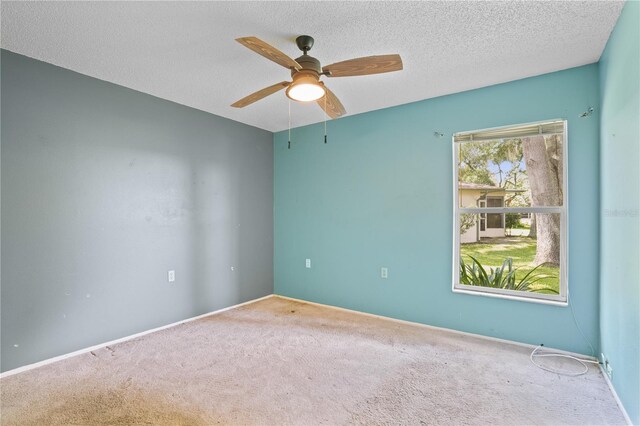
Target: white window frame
x,y
560,299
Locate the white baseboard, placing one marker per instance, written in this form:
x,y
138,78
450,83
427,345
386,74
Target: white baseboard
x,y
615,395
133,336
433,327
122,339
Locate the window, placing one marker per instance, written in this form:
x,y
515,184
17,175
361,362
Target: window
x,y
510,220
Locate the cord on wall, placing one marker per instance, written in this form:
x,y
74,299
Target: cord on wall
x,y
575,320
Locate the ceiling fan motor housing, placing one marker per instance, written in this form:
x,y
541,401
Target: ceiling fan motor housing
x,y
308,63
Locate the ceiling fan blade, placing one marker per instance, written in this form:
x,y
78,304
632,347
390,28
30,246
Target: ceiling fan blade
x,y
268,51
263,93
331,104
364,66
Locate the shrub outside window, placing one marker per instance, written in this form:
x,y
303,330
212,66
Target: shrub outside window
x,y
510,212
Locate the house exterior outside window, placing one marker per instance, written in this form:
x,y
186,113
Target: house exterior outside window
x,y
487,225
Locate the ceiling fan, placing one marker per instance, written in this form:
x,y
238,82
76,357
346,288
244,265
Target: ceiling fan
x,y
306,72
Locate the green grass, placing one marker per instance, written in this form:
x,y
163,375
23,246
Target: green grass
x,y
492,252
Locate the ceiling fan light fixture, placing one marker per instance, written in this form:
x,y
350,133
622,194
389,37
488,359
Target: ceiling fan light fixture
x,y
305,88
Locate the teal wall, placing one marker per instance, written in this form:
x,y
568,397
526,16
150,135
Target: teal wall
x,y
380,194
620,203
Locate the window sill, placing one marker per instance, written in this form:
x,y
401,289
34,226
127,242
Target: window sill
x,y
511,295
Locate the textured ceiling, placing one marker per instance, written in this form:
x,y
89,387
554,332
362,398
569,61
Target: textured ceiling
x,y
185,51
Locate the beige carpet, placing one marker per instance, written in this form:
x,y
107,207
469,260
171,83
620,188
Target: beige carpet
x,y
280,362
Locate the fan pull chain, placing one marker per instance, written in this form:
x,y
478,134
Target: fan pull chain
x,y
289,144
325,118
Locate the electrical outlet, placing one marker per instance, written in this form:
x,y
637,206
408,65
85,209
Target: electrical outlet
x,y
307,263
171,276
384,273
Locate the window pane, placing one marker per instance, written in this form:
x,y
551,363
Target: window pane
x,y
520,172
495,201
523,255
494,220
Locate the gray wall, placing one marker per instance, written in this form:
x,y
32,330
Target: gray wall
x,y
105,189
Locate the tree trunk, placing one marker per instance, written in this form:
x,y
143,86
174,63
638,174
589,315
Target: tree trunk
x,y
532,229
554,154
548,241
544,169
